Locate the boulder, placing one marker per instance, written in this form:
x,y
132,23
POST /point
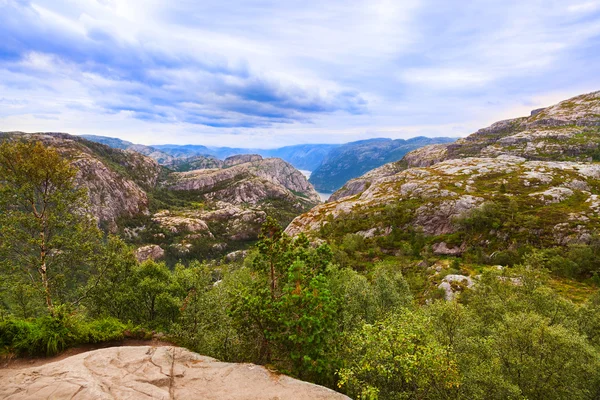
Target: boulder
x,y
454,284
148,372
150,252
442,248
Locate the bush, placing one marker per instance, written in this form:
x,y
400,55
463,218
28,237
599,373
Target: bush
x,y
49,335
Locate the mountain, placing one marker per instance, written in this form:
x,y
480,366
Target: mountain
x,y
188,213
117,181
182,151
195,162
160,157
354,159
531,181
302,156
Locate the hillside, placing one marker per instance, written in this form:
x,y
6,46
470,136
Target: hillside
x,y
454,273
351,160
184,215
533,179
117,181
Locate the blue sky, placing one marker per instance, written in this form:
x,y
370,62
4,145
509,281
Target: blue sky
x,y
261,73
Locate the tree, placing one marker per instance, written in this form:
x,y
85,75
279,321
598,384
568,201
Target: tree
x,y
47,238
398,358
287,303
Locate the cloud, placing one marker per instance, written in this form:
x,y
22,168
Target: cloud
x,y
131,74
289,71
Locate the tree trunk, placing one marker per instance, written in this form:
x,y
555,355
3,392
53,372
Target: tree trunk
x,y
44,274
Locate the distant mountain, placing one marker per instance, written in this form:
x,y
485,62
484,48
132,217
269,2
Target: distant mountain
x,y
351,160
302,156
161,157
332,165
187,150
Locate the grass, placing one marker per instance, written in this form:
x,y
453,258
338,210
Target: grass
x,y
576,291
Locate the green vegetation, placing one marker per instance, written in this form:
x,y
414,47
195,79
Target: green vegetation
x,y
359,313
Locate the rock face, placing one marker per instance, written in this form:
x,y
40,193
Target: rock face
x,y
454,284
240,159
248,182
153,373
541,163
150,252
115,179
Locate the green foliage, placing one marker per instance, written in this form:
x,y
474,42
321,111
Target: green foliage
x,y
288,304
398,358
47,238
52,334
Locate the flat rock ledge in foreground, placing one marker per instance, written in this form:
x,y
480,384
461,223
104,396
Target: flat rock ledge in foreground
x,y
147,372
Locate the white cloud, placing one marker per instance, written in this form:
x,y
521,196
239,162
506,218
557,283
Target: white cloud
x,y
421,66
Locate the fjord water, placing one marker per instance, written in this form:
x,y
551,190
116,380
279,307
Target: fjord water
x,y
324,196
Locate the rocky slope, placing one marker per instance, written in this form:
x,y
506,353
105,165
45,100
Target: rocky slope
x,y
153,373
354,159
422,157
567,131
207,213
248,179
436,188
116,180
182,215
195,162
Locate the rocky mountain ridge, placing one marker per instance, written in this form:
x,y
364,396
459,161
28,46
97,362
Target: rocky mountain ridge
x,y
542,166
116,180
186,214
331,165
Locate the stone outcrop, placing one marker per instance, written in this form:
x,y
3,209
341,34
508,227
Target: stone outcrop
x,y
249,182
234,222
150,252
444,249
240,159
443,192
114,179
153,373
541,162
422,157
454,284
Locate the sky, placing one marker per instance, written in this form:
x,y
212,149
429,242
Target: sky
x,y
262,73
